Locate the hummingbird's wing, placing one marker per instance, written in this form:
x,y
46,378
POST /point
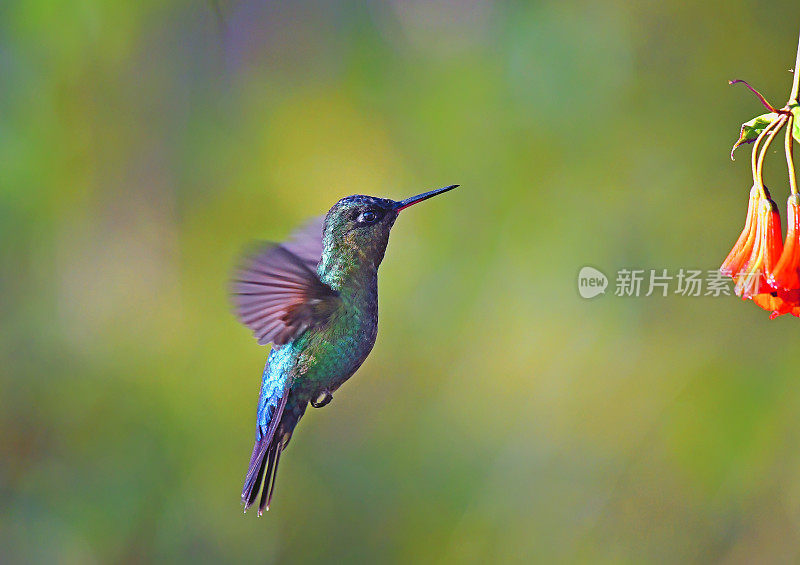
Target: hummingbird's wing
x,y
277,295
306,242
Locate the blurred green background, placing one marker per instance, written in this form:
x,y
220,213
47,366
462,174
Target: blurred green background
x,y
500,416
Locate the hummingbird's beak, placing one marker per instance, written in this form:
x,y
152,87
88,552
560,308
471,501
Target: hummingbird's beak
x,y
420,197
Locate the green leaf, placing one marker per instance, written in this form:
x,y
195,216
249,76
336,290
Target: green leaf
x,y
752,129
795,122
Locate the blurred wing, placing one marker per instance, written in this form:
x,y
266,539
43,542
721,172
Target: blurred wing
x,y
306,242
278,296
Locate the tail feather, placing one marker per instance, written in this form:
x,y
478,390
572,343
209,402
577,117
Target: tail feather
x,y
261,477
251,488
255,472
274,456
262,465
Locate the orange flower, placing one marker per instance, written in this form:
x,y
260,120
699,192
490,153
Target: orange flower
x,y
783,278
779,302
744,245
784,275
765,269
758,249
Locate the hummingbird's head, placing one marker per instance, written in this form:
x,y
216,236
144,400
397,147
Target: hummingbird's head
x,y
362,224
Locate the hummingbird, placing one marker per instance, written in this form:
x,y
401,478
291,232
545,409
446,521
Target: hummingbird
x,y
315,298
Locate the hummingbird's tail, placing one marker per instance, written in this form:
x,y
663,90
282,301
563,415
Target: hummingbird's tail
x,y
267,451
262,471
271,438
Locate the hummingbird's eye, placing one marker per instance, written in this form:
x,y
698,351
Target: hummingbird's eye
x,y
368,217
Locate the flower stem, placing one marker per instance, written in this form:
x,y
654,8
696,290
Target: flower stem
x,y
755,153
789,141
789,157
760,96
796,78
773,129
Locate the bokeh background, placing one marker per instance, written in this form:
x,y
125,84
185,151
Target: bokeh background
x,y
500,418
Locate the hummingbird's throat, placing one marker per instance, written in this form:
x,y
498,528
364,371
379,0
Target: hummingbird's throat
x,y
347,265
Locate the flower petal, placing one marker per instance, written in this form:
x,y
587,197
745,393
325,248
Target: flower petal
x,y
752,278
785,274
744,245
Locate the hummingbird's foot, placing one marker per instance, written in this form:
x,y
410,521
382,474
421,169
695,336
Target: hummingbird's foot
x,y
322,400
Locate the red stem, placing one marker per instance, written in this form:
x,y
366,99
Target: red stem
x,y
763,100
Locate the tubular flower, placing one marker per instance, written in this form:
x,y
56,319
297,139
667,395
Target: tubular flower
x,y
779,302
744,245
764,268
784,279
751,278
785,274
